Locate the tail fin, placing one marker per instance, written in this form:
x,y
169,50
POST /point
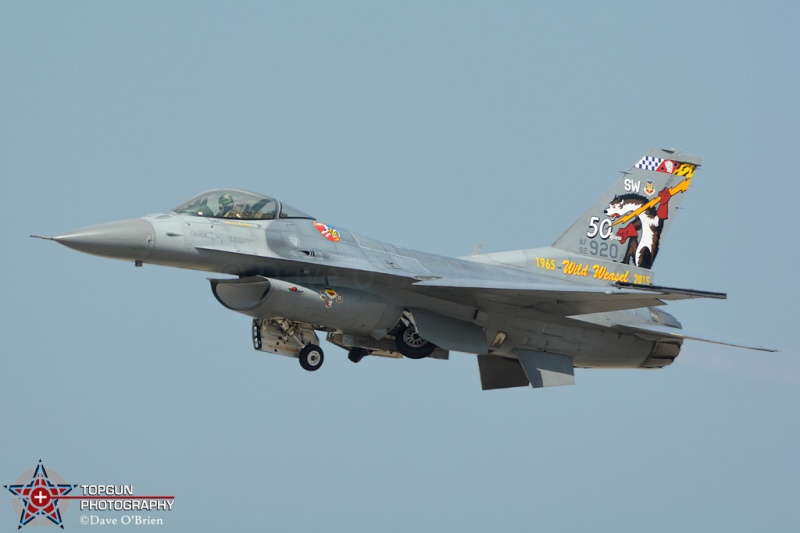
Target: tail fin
x,y
628,223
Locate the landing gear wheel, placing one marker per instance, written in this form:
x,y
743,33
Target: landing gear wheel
x,y
311,357
410,344
357,354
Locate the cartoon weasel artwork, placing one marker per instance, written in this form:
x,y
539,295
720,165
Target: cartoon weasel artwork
x,y
644,232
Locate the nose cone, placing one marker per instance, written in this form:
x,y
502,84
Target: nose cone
x,y
127,239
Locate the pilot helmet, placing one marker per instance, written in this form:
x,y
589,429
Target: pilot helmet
x,y
225,201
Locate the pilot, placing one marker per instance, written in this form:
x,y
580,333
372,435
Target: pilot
x,y
226,206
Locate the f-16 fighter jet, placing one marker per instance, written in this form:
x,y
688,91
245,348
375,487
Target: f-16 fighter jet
x,y
531,316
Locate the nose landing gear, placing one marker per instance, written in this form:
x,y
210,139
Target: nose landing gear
x,y
292,339
311,357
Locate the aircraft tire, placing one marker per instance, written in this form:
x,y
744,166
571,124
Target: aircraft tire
x,y
410,344
311,357
357,354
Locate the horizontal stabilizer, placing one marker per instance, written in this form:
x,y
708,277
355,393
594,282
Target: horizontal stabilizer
x,y
564,300
667,293
675,333
547,369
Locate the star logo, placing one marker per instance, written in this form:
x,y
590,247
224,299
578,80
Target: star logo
x,y
38,496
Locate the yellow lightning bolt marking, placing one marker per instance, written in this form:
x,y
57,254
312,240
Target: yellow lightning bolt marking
x,y
681,187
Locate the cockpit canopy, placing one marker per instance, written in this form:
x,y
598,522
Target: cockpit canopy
x,y
234,203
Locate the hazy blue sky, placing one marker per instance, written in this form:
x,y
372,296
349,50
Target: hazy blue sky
x,y
435,126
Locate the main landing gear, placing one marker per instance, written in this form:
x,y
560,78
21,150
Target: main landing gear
x,y
403,340
410,344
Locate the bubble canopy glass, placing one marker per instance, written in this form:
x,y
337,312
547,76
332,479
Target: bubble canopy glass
x,y
235,203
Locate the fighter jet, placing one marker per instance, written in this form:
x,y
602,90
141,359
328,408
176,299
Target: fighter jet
x,y
531,316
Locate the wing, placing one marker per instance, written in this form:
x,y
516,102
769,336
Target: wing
x,y
490,294
558,299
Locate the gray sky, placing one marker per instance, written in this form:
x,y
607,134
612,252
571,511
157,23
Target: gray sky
x,y
434,126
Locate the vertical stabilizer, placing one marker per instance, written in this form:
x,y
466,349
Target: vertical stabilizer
x,y
628,223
